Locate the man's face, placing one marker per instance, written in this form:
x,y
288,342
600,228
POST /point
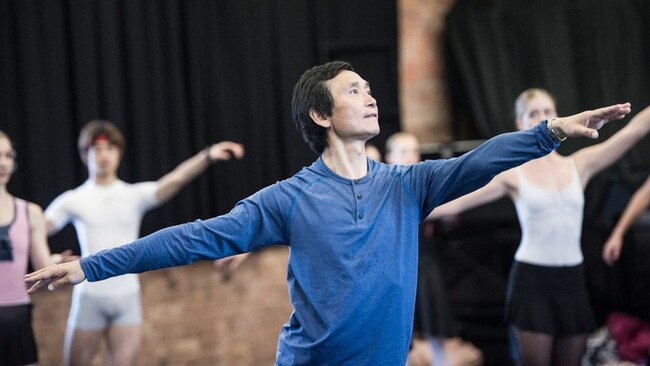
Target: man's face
x,y
103,158
405,151
7,160
355,115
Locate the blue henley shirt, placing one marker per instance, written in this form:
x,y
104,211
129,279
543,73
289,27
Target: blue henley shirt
x,y
352,266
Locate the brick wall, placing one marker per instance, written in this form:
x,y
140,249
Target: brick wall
x,y
192,315
424,103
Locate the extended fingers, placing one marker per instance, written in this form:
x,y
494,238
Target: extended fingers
x,y
616,111
37,286
47,274
57,284
41,274
579,130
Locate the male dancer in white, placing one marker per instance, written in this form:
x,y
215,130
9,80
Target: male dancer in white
x,y
106,212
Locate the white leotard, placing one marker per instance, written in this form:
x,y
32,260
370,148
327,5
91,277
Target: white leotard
x,y
551,222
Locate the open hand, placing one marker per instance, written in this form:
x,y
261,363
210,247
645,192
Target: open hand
x,y
587,123
55,276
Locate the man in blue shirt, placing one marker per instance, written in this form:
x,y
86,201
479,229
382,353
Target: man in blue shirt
x,y
351,224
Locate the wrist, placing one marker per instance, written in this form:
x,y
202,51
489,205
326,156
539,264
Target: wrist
x,y
206,154
556,134
618,233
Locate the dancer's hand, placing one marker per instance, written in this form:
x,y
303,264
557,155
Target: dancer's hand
x,y
587,123
55,276
612,249
224,150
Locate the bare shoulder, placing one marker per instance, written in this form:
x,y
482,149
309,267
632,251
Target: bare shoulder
x,y
35,212
33,207
508,179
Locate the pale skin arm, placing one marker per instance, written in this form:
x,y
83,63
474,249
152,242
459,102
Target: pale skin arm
x,y
584,124
171,183
592,160
637,205
497,188
49,226
39,250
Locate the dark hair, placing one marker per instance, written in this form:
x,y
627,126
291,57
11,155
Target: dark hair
x,y
96,128
311,91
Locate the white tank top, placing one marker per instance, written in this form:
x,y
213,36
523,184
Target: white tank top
x,y
551,222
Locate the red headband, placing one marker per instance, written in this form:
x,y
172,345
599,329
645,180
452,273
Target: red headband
x,y
101,137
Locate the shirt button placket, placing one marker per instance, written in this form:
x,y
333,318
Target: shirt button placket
x,y
359,197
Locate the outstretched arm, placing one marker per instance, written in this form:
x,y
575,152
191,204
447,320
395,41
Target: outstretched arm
x,y
174,181
255,222
497,188
594,159
508,151
637,205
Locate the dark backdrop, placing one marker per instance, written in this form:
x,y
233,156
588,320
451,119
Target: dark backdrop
x,y
174,76
587,53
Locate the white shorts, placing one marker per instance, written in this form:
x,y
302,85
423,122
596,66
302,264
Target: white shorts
x,y
90,312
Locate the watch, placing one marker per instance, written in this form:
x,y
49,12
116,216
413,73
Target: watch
x,y
556,135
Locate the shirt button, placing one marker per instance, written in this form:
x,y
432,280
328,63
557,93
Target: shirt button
x,y
361,216
356,181
359,196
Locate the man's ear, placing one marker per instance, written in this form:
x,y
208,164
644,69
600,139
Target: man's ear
x,y
319,119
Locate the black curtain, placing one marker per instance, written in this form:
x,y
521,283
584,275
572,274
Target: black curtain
x,y
587,53
175,76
